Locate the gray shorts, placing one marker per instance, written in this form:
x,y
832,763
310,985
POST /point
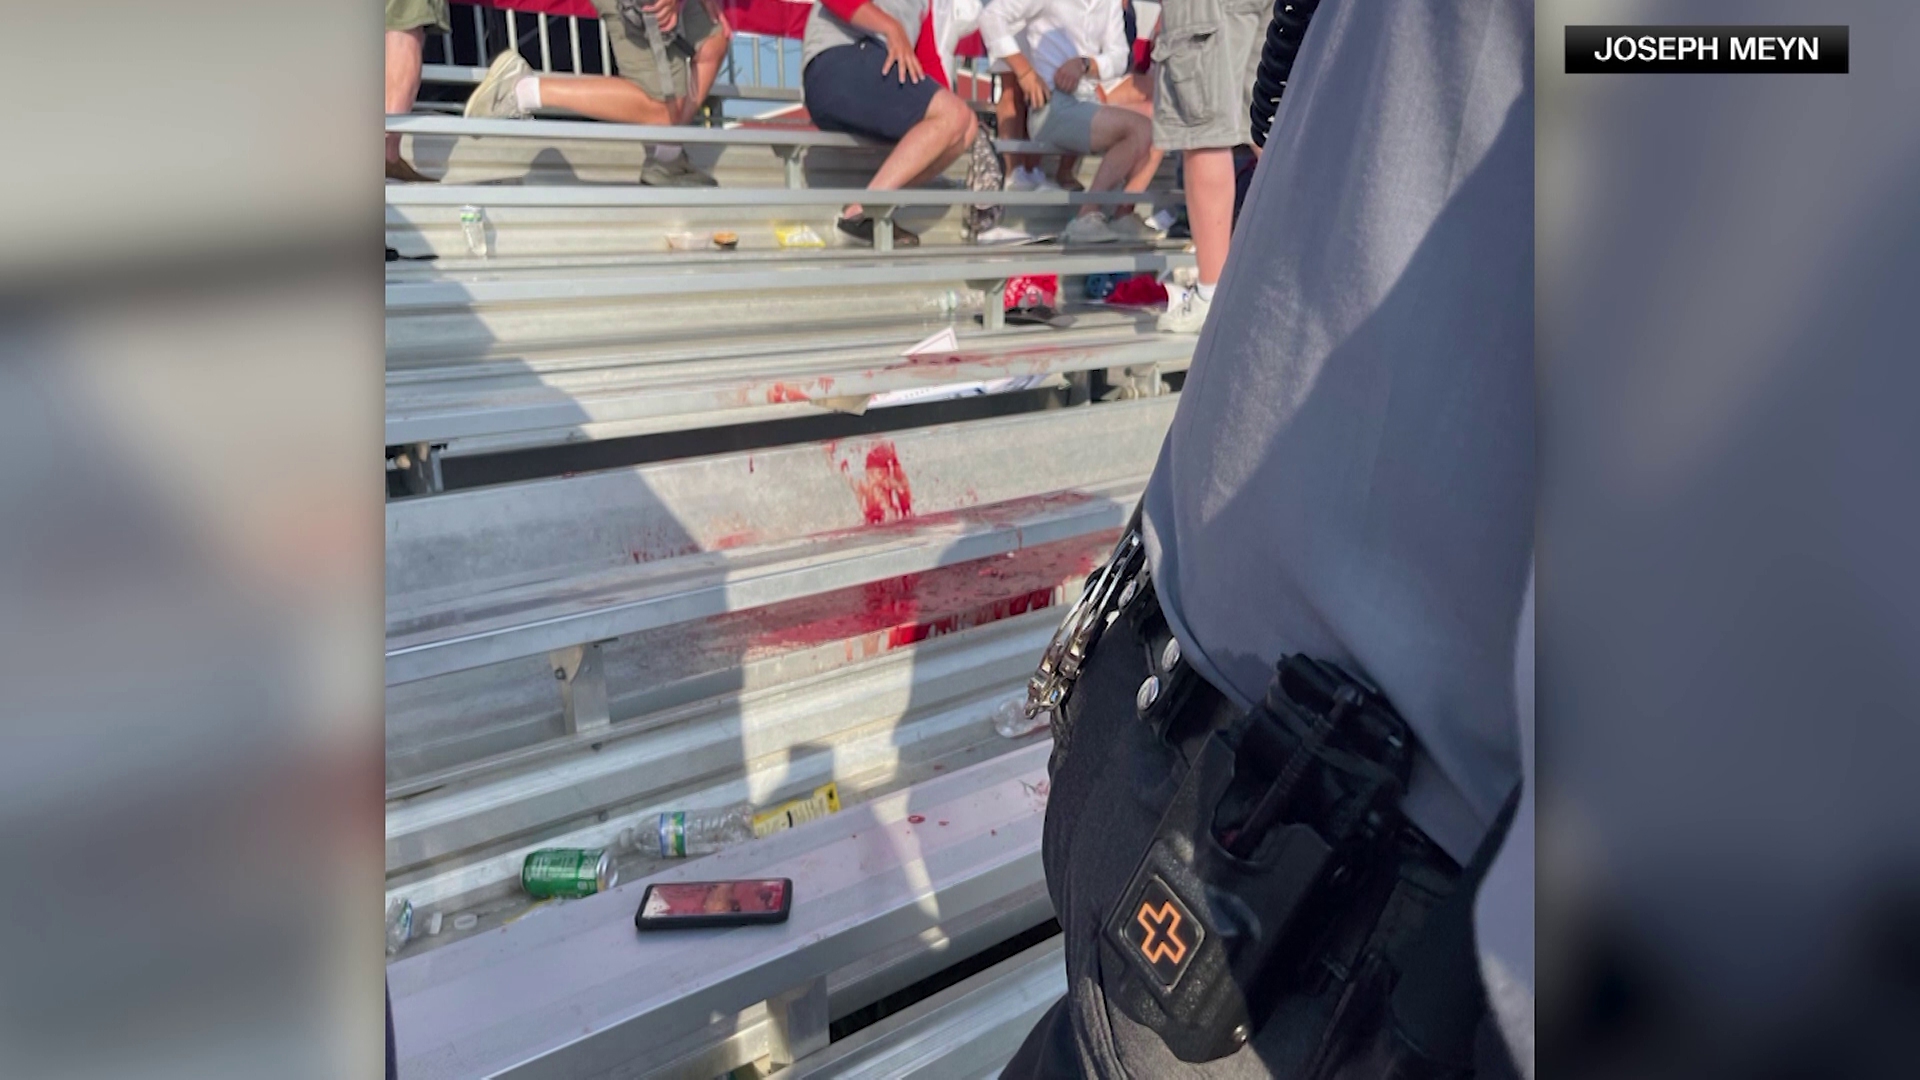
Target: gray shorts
x,y
1204,58
1065,121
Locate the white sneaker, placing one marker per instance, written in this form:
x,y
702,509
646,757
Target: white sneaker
x,y
1130,228
1005,234
1029,179
1090,229
494,98
1186,313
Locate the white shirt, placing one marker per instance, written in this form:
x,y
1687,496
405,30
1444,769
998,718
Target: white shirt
x,y
1051,32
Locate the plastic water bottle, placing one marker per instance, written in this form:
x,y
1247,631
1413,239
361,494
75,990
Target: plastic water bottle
x,y
473,223
685,833
1011,720
399,925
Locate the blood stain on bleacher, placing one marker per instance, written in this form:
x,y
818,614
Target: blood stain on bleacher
x,y
885,495
883,615
782,394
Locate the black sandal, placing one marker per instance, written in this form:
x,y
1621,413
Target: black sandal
x,y
861,229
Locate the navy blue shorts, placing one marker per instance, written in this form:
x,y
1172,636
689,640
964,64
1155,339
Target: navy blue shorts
x,y
845,92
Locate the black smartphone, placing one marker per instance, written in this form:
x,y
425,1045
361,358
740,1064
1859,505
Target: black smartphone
x,y
679,905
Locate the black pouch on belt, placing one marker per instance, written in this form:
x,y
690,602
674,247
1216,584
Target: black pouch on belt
x,y
1280,814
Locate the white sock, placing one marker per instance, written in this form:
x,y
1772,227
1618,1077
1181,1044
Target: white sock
x,y
666,151
527,93
1206,291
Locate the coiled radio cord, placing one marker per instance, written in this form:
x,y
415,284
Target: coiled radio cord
x,y
1284,32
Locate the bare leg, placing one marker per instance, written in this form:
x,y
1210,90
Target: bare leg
x,y
1122,138
1065,173
1209,181
1136,95
404,50
1011,111
931,145
1149,165
603,97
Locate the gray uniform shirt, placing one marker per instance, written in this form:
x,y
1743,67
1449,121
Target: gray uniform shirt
x,y
825,30
1350,471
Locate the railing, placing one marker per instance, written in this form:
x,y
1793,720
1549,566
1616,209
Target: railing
x,y
759,67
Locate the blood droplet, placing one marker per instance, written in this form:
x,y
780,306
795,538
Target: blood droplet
x,y
916,819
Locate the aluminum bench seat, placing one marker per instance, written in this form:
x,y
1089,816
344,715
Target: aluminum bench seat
x,y
578,992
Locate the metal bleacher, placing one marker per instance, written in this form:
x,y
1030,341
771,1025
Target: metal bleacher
x,y
570,654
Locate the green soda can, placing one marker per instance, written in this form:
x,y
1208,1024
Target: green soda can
x,y
567,872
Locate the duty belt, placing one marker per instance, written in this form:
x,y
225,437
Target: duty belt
x,y
1281,870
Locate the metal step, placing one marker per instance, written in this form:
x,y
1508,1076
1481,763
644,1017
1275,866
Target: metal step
x,y
968,1031
485,722
493,575
578,992
453,846
536,409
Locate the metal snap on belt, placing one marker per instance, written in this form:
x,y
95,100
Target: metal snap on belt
x,y
1149,693
1170,655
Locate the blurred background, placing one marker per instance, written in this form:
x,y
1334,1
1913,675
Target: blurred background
x,y
190,540
1729,613
190,549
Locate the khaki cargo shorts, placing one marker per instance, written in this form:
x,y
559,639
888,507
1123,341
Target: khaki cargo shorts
x,y
633,55
413,14
1204,59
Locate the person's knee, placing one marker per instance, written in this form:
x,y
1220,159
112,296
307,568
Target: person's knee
x,y
954,117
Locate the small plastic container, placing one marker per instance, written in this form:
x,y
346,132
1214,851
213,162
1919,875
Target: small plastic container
x,y
797,236
686,241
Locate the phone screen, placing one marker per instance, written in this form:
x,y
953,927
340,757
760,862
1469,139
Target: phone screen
x,y
685,898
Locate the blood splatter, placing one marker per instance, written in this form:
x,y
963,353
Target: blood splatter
x,y
887,614
916,819
734,540
943,823
782,393
885,494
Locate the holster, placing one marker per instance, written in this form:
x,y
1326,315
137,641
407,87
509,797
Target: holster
x,y
1269,869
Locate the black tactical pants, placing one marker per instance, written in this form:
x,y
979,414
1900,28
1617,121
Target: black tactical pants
x,y
1111,777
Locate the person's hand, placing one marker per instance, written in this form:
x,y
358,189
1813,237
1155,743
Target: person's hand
x,y
900,53
1067,76
1033,87
666,12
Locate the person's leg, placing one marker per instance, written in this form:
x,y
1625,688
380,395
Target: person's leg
x,y
404,50
1122,138
1011,113
1136,95
603,97
1209,184
927,149
1067,173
